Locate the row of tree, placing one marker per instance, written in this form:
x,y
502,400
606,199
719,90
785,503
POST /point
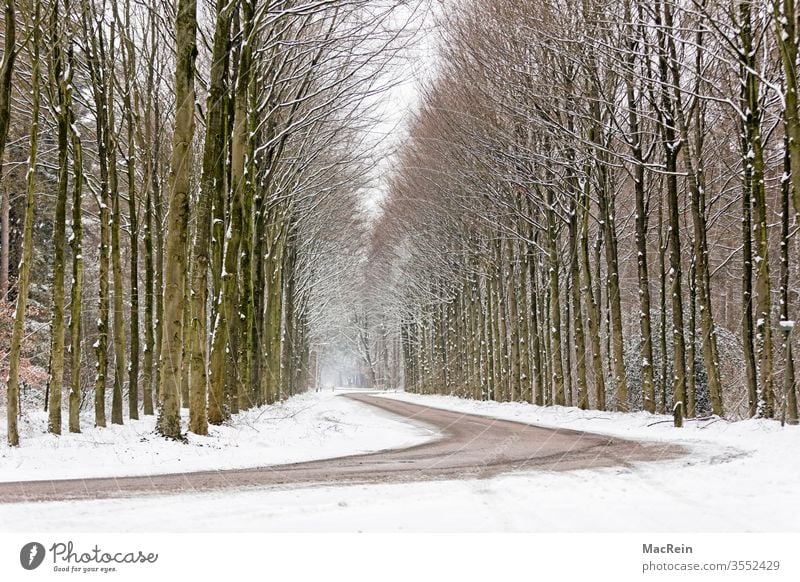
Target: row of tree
x,y
597,206
207,161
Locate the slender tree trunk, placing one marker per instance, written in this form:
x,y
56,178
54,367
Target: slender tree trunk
x,y
754,162
6,70
246,306
513,321
171,366
785,19
789,381
149,268
662,305
691,338
748,335
274,309
641,220
5,234
212,179
671,146
60,86
497,346
555,303
489,346
678,342
120,369
186,307
592,308
224,328
526,388
76,290
577,309
129,66
96,64
12,391
158,213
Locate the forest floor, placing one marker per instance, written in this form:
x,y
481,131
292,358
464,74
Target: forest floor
x,y
710,476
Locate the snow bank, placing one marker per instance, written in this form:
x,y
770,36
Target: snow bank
x,y
747,434
306,427
736,476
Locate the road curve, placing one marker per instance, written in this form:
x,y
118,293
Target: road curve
x,y
471,446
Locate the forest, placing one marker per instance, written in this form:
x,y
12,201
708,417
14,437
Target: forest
x,y
609,194
594,205
195,169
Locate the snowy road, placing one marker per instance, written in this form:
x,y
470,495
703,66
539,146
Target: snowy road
x,y
471,446
735,476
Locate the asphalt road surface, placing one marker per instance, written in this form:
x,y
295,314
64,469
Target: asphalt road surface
x,y
470,446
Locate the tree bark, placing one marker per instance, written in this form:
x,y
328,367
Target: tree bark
x,y
12,392
171,366
212,180
76,290
60,86
748,332
6,71
592,307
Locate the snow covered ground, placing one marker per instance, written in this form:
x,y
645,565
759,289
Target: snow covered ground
x,y
737,477
305,427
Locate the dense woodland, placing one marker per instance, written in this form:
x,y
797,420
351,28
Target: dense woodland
x,y
597,207
594,206
180,185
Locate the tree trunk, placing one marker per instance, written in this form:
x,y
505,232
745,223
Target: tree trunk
x,y
171,366
669,136
120,368
789,382
96,63
224,328
785,19
129,68
6,70
748,333
577,309
754,157
641,219
512,291
592,307
149,268
17,334
158,213
60,87
76,290
555,303
212,179
662,305
526,386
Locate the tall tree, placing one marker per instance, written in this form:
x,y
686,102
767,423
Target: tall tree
x,y
6,71
177,221
212,179
12,391
60,86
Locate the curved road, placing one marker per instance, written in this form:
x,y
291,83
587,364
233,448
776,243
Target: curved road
x,y
471,446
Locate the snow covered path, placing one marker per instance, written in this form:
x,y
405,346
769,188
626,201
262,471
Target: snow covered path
x,y
737,477
303,428
469,447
